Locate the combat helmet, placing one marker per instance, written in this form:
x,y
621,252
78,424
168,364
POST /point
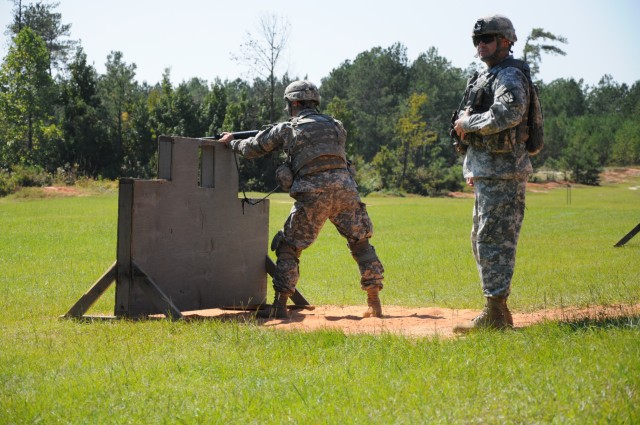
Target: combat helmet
x,y
302,90
495,24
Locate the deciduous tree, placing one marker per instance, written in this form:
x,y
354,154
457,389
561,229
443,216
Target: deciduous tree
x,y
413,132
262,53
26,99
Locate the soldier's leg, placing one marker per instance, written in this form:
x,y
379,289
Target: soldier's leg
x,y
370,274
353,222
300,230
371,269
474,232
287,270
284,278
497,220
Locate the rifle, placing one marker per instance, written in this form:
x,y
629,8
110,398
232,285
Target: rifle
x,y
460,145
238,135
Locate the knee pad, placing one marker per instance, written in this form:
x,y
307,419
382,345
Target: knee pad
x,y
283,249
277,240
362,251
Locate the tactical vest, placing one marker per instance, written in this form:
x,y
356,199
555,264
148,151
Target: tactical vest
x,y
480,99
317,145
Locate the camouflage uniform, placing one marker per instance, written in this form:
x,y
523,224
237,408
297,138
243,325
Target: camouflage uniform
x,y
499,164
323,188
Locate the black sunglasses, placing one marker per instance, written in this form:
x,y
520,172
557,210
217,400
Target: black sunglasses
x,y
485,38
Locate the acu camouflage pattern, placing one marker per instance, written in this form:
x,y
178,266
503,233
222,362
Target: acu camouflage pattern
x,y
497,129
499,164
495,24
312,129
307,217
318,143
497,218
302,90
530,131
320,193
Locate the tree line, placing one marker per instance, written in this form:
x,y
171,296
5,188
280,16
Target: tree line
x,y
60,117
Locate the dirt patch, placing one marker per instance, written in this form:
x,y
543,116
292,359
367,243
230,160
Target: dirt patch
x,y
460,195
412,322
619,175
62,190
547,186
531,187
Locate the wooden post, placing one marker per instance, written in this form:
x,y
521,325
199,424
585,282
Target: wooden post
x,y
92,295
124,271
155,294
628,236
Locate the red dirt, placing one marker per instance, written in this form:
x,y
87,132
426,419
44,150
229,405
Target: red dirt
x,y
460,195
613,176
62,190
620,175
412,322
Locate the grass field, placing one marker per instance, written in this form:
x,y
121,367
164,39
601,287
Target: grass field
x,y
164,372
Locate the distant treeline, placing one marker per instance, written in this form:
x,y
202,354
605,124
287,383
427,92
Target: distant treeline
x,y
77,122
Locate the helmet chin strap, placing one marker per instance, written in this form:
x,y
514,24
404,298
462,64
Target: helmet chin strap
x,y
293,108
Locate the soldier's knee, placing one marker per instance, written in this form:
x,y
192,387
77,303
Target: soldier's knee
x,y
283,249
362,251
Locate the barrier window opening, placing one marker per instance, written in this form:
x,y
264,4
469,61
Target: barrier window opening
x,y
206,171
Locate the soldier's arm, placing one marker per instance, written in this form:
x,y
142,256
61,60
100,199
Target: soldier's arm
x,y
266,141
511,97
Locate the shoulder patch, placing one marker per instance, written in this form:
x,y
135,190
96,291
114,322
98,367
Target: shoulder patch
x,y
506,97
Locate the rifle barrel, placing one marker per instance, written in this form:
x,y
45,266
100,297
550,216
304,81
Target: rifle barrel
x,y
238,135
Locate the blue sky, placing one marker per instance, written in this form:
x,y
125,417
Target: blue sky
x,y
195,38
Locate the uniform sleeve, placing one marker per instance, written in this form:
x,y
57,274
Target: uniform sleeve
x,y
511,97
341,128
268,140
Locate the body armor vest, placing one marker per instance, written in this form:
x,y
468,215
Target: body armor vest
x,y
480,99
317,145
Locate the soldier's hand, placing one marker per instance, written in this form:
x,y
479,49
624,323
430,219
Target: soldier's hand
x,y
458,125
226,138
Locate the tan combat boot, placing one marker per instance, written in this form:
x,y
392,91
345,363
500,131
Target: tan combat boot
x,y
373,301
495,315
505,311
278,309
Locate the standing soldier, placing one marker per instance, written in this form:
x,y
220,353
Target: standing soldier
x,y
492,130
317,176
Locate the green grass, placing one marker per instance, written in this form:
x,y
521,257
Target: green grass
x,y
155,372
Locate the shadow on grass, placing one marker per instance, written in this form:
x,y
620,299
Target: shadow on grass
x,y
622,322
247,317
244,316
385,316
